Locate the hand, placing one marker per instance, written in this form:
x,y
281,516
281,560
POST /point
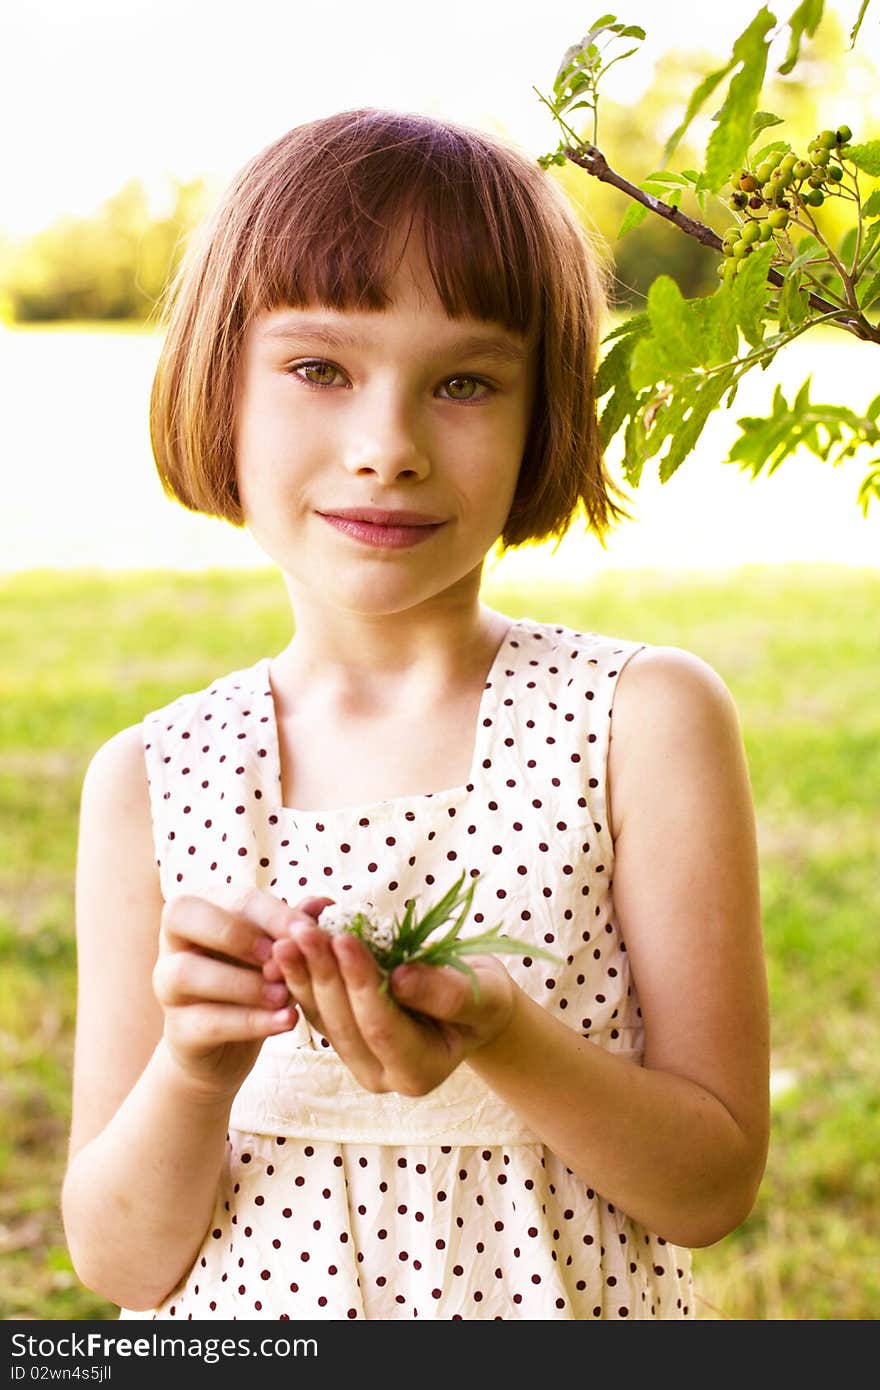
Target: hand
x,y
211,978
408,1040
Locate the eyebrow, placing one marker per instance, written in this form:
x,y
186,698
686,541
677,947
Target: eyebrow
x,y
473,345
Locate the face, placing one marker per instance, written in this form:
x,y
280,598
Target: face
x,y
377,454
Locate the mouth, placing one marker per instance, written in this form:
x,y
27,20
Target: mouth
x,y
390,530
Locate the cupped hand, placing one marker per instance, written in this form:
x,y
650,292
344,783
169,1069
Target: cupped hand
x,y
216,983
408,1039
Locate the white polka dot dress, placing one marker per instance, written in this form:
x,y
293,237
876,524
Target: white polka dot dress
x,y
340,1204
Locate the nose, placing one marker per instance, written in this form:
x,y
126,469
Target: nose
x,y
386,440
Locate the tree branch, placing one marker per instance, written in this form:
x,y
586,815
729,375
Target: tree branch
x,y
591,159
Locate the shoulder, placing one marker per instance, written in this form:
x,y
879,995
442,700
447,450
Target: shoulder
x,y
117,768
232,689
116,819
673,715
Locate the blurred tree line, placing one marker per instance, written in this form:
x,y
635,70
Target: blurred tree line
x,y
115,264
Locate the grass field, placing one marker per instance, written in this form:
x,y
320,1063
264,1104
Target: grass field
x,y
87,654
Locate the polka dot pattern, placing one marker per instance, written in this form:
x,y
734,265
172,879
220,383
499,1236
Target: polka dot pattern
x,y
339,1204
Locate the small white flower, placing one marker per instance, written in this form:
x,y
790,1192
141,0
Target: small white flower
x,y
339,918
380,935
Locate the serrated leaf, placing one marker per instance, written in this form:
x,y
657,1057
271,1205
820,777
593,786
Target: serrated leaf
x,y
634,449
761,120
808,248
805,20
636,323
775,147
704,90
871,205
794,301
869,245
750,295
854,31
666,177
686,437
633,217
730,140
613,367
865,157
869,293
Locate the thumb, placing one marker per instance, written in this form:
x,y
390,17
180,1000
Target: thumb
x,y
439,991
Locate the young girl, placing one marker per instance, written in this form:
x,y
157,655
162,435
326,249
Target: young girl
x,y
380,359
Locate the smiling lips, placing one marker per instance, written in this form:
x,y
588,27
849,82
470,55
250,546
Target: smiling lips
x,y
392,530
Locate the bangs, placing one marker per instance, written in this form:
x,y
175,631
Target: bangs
x,y
331,236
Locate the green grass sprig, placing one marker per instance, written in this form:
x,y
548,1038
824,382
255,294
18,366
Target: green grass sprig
x,y
406,940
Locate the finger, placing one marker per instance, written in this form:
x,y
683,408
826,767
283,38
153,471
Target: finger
x,y
190,921
273,915
205,1026
186,976
295,975
440,992
333,963
306,912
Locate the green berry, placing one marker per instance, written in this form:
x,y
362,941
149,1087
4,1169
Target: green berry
x,y
827,139
789,161
816,180
843,134
750,233
766,231
763,171
802,168
778,219
815,197
821,158
834,173
742,248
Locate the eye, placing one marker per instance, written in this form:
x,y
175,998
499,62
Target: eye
x,y
323,370
456,382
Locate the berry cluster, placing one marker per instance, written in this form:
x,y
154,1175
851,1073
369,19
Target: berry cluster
x,y
771,194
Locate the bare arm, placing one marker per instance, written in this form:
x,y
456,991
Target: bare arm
x,y
148,1134
679,1144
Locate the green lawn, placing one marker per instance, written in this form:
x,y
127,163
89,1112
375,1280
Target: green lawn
x,y
86,654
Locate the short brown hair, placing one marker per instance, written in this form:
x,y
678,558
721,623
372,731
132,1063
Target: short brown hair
x,y
308,221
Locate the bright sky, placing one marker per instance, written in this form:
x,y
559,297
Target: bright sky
x,y
94,92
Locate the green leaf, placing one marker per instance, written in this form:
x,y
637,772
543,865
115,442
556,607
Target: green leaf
x,y
685,439
633,217
637,323
869,246
794,301
804,20
671,323
871,205
751,293
634,449
614,366
868,294
705,89
865,157
854,32
775,147
761,120
808,248
730,140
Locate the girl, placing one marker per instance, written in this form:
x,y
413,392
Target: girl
x,y
380,359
